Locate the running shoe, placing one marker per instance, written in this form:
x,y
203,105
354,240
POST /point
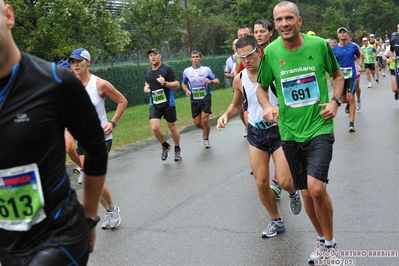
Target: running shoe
x,y
383,75
358,104
112,219
177,155
80,178
295,203
274,227
245,132
332,254
396,96
347,109
275,186
77,170
318,252
207,144
165,153
352,127
376,80
369,85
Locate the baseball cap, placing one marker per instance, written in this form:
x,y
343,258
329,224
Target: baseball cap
x,y
311,33
371,35
155,50
64,63
364,39
341,28
79,54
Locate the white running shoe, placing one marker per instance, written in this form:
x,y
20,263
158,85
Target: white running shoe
x,y
112,219
80,178
207,144
358,105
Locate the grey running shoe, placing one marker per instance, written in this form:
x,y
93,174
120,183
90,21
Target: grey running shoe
x,y
177,155
276,189
352,127
295,203
207,144
347,109
80,178
274,227
318,252
396,96
112,219
165,153
358,105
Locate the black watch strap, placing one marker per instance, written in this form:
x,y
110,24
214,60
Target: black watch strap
x,y
113,123
92,222
338,100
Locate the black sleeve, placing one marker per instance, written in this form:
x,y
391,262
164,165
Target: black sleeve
x,y
171,74
81,119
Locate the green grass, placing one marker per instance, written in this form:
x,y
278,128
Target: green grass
x,y
134,125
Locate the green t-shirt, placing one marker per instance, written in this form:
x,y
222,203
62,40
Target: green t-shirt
x,y
301,84
368,53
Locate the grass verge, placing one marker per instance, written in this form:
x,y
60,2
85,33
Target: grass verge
x,y
134,125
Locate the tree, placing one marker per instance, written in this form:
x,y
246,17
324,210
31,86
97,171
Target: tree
x,y
153,22
52,29
332,20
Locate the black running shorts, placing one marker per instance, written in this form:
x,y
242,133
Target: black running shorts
x,y
198,108
309,158
267,140
168,112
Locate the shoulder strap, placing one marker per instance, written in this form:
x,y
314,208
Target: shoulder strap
x,y
273,88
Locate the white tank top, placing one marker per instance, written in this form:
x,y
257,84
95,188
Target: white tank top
x,y
255,110
98,102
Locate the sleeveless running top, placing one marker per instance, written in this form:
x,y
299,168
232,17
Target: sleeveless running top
x,y
255,110
98,102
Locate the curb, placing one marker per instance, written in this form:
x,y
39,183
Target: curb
x,y
141,144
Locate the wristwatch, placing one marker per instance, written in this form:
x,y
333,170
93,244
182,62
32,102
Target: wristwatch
x,y
338,100
92,222
113,123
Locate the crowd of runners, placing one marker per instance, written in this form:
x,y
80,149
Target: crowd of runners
x,y
280,92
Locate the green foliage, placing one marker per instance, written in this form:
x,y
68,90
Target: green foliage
x,y
332,21
152,22
52,29
248,11
129,78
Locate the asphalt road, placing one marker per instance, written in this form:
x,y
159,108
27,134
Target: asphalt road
x,y
205,210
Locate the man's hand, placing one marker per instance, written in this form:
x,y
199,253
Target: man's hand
x,y
147,88
329,110
108,128
161,80
92,238
270,114
222,122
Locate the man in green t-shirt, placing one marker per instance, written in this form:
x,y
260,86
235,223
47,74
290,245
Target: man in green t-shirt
x,y
369,55
297,63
